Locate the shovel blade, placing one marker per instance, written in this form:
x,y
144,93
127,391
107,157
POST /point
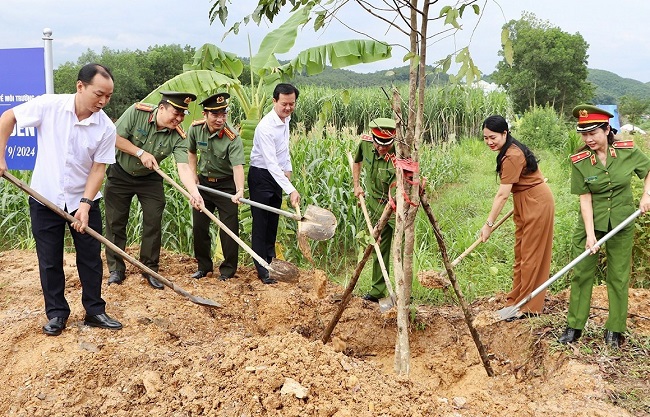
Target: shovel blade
x,y
205,302
284,271
385,304
508,312
318,223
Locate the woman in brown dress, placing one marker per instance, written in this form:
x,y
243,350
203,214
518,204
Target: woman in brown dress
x,y
534,212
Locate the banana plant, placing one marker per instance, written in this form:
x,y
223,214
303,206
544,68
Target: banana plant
x,y
266,67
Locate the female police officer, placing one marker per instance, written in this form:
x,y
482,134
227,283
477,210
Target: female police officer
x,y
601,176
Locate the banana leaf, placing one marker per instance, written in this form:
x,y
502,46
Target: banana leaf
x,y
279,41
202,83
211,57
340,54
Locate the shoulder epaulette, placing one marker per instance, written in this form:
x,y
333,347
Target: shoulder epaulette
x,y
366,137
198,122
580,156
181,132
230,132
144,107
623,144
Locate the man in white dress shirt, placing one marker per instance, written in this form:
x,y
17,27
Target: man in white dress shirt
x,y
270,173
76,140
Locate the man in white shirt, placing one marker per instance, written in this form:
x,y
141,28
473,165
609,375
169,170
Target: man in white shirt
x,y
270,173
76,140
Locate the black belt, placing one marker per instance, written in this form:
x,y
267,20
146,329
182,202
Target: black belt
x,y
222,179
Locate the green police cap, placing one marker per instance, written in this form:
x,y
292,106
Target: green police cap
x,y
216,103
179,100
590,117
383,131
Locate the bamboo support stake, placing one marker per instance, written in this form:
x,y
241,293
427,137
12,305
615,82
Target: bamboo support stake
x,y
347,294
452,277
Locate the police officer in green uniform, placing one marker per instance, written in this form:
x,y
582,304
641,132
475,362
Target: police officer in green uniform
x,y
375,154
146,135
221,166
601,176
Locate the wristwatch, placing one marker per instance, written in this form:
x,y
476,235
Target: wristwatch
x,y
86,200
139,153
489,223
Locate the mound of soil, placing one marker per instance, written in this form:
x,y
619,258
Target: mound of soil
x,y
260,353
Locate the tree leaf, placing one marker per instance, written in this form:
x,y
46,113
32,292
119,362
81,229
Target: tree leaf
x,y
345,97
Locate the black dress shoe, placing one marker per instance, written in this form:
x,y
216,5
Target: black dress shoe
x,y
116,277
370,298
224,277
266,279
55,326
613,339
154,282
570,335
200,274
103,321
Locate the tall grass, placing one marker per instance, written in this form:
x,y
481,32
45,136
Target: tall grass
x,y
460,182
15,226
450,112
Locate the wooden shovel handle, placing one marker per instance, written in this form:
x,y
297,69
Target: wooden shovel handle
x,y
108,243
380,258
478,241
217,221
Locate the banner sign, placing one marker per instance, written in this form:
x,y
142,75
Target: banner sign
x,y
22,77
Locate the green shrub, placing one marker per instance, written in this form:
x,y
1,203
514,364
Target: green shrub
x,y
542,128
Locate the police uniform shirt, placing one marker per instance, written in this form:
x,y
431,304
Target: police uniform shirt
x,y
218,152
380,171
67,147
138,125
609,185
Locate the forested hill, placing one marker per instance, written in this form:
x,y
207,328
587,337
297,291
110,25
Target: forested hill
x,y
341,78
610,87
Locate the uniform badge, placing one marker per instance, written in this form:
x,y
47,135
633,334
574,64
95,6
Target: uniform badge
x,y
144,107
181,132
623,144
580,156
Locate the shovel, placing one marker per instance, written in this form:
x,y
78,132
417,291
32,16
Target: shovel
x,y
282,271
513,311
302,240
385,303
193,298
436,279
317,223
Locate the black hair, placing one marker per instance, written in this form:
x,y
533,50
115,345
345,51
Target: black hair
x,y
284,88
498,124
88,72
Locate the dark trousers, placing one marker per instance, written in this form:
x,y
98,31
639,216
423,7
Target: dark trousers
x,y
228,214
263,189
48,229
118,192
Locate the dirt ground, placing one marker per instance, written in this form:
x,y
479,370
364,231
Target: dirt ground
x,y
260,353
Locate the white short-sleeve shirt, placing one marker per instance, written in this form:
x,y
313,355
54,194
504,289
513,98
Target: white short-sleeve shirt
x,y
67,147
271,149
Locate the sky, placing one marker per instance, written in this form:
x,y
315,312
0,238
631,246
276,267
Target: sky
x,y
617,32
